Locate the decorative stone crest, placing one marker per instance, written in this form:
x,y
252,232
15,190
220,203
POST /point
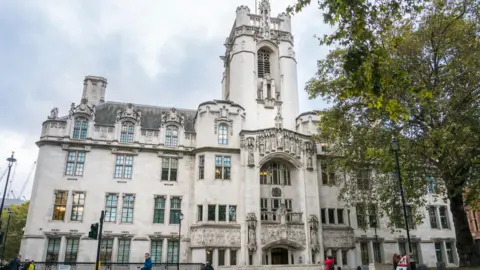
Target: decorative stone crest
x,y
313,222
129,113
276,192
173,116
53,114
252,237
82,109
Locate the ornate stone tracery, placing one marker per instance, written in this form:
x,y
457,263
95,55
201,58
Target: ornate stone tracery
x,y
341,238
215,237
272,233
173,116
129,114
83,109
252,237
313,222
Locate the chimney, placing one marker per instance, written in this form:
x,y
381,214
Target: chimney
x,y
94,89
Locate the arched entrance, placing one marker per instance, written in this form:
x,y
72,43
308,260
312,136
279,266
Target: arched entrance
x,y
279,255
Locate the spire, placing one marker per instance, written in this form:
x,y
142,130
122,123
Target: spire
x,y
264,9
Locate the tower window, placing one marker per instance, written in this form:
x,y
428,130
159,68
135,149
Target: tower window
x,y
126,134
171,136
263,62
80,128
223,134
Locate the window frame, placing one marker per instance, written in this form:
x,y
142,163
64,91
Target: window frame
x,y
56,241
223,169
127,132
123,166
158,210
230,215
200,213
214,213
57,205
80,131
158,250
275,173
444,218
128,207
123,257
222,134
328,176
169,169
171,135
78,203
201,167
106,250
71,250
75,166
263,62
175,211
434,224
111,216
172,251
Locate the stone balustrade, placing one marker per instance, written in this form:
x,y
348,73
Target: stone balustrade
x,y
274,217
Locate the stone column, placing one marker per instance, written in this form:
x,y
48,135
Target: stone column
x,y
351,258
63,248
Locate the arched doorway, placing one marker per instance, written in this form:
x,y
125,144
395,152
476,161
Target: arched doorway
x,y
279,255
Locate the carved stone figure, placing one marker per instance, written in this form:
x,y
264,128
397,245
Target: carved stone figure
x,y
251,160
252,224
309,163
53,114
72,109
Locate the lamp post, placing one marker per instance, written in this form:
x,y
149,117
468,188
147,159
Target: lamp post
x,y
180,218
395,149
10,212
374,225
11,160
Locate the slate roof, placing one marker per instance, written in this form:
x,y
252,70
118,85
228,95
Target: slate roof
x,y
106,114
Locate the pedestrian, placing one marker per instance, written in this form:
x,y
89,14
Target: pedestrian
x,y
395,260
147,265
329,263
209,266
15,263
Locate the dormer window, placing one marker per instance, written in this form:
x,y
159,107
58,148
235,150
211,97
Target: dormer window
x,y
171,136
127,132
80,128
223,134
263,59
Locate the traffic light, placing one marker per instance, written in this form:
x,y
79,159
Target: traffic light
x,y
93,234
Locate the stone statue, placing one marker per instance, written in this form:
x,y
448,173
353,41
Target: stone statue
x,y
309,162
251,236
72,109
53,113
314,237
251,160
119,115
282,213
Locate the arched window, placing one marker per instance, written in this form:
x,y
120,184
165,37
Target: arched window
x,y
171,136
273,173
223,134
80,128
263,59
127,132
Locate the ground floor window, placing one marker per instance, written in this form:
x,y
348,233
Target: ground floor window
x,y
53,249
364,253
172,252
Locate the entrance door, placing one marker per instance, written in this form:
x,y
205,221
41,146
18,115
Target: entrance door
x,y
279,256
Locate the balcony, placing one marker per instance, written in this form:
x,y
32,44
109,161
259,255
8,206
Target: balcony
x,y
276,217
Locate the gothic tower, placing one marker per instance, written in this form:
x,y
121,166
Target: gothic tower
x,y
260,68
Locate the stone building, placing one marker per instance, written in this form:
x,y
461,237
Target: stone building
x,y
243,170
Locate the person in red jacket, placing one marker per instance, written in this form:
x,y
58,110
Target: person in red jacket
x,y
329,263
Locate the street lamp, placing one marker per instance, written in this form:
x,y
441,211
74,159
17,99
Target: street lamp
x,y
10,160
180,218
10,212
374,225
395,149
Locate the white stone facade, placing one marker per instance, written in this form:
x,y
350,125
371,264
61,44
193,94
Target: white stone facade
x,y
243,171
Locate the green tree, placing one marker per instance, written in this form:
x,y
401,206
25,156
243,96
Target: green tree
x,y
18,219
407,69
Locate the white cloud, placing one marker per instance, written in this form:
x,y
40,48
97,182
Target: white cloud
x,y
143,47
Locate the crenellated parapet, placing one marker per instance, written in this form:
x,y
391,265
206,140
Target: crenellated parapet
x,y
220,122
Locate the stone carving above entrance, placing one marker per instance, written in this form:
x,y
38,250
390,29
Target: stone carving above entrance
x,y
342,238
215,237
278,232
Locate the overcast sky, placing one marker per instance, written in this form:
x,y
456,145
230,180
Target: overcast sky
x,y
151,51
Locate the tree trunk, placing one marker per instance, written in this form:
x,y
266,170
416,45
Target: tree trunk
x,y
467,252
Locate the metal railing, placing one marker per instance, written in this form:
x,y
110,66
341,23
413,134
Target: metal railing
x,y
115,266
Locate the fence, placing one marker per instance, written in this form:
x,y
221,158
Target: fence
x,y
114,266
